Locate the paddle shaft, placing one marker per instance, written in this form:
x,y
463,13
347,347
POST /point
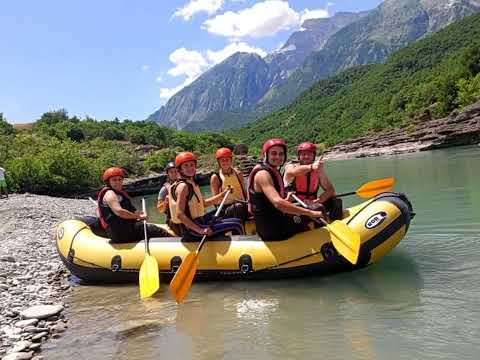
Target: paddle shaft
x,y
144,209
346,194
320,220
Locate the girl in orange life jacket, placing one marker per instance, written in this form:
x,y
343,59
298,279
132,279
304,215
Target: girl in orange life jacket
x,y
187,205
236,203
306,178
162,202
117,215
266,194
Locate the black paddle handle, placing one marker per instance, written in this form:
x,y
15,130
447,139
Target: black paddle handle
x,y
346,194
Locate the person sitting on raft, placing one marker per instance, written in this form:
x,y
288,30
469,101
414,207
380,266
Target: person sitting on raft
x,y
307,176
187,204
117,215
162,202
266,192
228,176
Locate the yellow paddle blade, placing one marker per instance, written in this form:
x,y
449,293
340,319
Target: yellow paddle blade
x,y
148,277
375,187
345,240
183,278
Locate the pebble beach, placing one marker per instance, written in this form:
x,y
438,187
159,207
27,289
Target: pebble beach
x,y
33,280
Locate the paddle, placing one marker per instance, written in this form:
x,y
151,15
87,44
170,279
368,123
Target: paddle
x,y
345,240
183,278
372,188
148,277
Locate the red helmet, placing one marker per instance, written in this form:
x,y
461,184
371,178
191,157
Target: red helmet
x,y
271,143
307,146
183,157
223,153
111,172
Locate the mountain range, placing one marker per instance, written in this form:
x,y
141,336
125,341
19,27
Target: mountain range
x,y
430,79
245,86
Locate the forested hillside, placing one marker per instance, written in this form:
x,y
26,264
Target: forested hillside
x,y
432,77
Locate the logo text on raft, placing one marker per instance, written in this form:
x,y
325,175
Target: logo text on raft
x,y
375,220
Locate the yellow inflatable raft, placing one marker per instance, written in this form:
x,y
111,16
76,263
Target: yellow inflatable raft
x,y
381,222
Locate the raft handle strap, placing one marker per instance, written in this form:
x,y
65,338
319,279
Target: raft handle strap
x,y
116,263
175,263
245,264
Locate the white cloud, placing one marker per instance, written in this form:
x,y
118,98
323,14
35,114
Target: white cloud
x,y
197,6
313,14
192,64
262,19
216,57
187,62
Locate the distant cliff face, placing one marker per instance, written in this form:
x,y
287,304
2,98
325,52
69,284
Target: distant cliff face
x,y
236,84
312,37
245,87
391,26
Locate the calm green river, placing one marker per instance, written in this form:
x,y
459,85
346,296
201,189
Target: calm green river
x,y
422,301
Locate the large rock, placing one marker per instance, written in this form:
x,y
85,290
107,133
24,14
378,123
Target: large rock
x,y
455,130
41,311
19,356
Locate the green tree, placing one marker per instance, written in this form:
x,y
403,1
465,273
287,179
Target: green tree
x,y
113,133
5,127
468,91
76,134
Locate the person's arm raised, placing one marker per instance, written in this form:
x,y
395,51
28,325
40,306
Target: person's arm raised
x,y
114,205
264,181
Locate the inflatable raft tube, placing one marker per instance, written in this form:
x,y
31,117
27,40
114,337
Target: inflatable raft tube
x,y
381,222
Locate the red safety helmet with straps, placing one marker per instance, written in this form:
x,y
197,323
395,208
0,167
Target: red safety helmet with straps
x,y
307,146
111,172
271,143
223,153
184,157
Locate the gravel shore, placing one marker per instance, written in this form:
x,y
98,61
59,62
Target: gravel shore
x,y
33,280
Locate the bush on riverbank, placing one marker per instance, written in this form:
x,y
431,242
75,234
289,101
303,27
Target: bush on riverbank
x,y
62,155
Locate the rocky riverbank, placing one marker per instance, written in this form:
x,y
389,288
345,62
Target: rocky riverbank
x,y
422,134
33,280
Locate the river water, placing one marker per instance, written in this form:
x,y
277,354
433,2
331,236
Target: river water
x,y
422,301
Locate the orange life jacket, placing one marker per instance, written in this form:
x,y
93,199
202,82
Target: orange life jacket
x,y
306,186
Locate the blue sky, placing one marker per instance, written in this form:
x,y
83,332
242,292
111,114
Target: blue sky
x,y
123,58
